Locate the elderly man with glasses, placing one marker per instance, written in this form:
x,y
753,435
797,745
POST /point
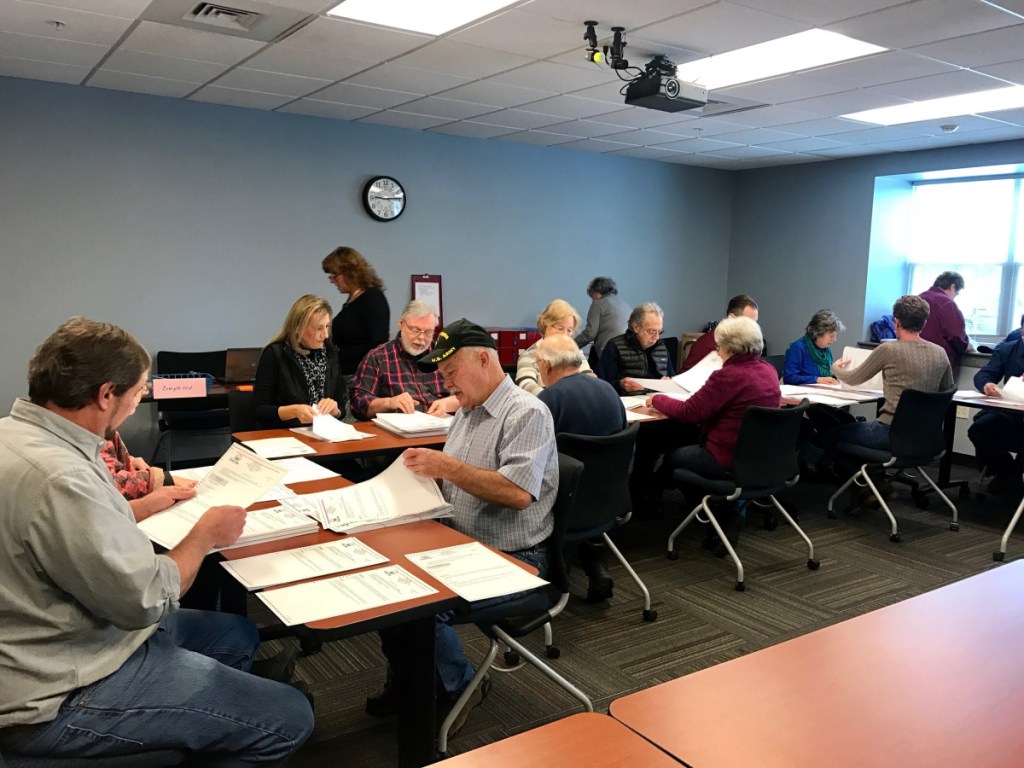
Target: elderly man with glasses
x,y
388,379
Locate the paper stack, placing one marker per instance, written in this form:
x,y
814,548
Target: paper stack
x,y
331,430
414,424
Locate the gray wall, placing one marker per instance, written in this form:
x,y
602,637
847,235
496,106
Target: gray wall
x,y
195,226
802,236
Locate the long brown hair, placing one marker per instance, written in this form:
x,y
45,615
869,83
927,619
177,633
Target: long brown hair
x,y
350,263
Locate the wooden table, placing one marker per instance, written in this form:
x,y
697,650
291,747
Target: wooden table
x,y
587,740
936,680
382,441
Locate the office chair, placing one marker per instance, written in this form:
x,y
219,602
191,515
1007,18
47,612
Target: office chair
x,y
603,501
764,463
915,439
505,622
190,417
778,362
161,758
672,345
241,412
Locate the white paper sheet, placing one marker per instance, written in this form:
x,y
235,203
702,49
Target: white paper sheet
x,y
633,401
278,447
665,386
304,563
697,377
414,424
302,470
474,572
342,595
1013,389
334,431
632,416
857,356
278,492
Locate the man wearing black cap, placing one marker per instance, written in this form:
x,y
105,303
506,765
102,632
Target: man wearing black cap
x,y
498,470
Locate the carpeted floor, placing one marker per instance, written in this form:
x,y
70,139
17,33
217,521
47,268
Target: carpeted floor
x,y
608,651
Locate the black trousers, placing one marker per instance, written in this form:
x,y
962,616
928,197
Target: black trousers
x,y
996,434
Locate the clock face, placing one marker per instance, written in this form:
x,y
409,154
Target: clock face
x,y
383,198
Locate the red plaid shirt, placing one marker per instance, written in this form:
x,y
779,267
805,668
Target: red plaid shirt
x,y
389,370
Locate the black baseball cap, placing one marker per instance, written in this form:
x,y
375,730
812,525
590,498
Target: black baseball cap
x,y
455,336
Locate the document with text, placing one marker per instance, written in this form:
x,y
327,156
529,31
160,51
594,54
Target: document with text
x,y
415,424
278,447
697,377
474,572
331,430
342,595
304,563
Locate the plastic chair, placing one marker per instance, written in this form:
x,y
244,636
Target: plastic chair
x,y
506,622
915,439
192,417
764,463
602,501
241,411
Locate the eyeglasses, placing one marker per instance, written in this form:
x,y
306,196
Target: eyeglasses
x,y
331,276
418,332
562,328
652,331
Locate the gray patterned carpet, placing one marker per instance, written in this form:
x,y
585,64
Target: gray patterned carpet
x,y
608,651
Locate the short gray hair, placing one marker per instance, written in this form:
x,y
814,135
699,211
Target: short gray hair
x,y
417,308
559,355
603,285
739,336
640,311
824,321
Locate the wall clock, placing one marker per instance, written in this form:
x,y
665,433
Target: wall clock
x,y
384,198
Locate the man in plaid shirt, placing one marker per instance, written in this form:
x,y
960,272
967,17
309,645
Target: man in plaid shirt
x,y
388,380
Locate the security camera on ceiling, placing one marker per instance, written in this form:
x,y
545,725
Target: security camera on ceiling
x,y
654,87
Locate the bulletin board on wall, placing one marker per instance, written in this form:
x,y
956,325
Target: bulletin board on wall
x,y
427,288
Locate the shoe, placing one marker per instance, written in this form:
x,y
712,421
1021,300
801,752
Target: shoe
x,y
592,555
279,667
1006,485
474,701
860,500
384,703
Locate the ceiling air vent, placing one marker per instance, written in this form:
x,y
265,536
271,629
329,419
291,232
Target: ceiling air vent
x,y
222,17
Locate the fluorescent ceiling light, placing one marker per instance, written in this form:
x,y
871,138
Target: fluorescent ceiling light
x,y
948,106
432,17
804,50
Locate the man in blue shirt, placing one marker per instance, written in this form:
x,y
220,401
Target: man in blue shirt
x,y
997,433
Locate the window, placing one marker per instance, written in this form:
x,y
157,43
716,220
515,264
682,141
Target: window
x,y
975,228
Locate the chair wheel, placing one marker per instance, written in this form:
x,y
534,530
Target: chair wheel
x,y
998,556
813,564
741,587
650,614
894,538
965,492
511,659
673,555
553,652
954,526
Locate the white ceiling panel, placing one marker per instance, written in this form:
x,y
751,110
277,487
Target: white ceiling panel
x,y
166,67
705,126
364,96
1013,116
611,13
887,67
767,117
757,136
472,130
872,135
572,107
496,94
817,12
647,153
749,153
408,79
155,86
937,86
643,137
519,118
50,49
166,40
403,120
540,138
129,9
846,102
329,109
594,145
42,70
295,61
1012,71
524,34
270,82
451,109
354,41
588,129
469,61
723,26
823,127
804,145
993,47
79,26
923,21
779,90
556,77
233,97
700,145
634,117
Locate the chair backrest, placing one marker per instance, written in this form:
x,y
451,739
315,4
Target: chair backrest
x,y
183,362
776,361
916,430
569,472
241,411
672,345
192,413
603,494
765,454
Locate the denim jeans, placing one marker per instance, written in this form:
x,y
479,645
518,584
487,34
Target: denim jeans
x,y
870,434
453,668
187,687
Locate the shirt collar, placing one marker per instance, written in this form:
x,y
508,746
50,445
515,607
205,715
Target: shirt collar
x,y
89,443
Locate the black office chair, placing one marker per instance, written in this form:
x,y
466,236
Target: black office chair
x,y
162,758
191,417
915,439
603,501
506,622
764,463
241,411
672,345
777,361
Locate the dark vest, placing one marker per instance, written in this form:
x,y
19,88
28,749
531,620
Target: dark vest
x,y
633,358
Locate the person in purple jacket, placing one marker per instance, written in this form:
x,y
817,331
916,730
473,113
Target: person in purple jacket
x,y
946,326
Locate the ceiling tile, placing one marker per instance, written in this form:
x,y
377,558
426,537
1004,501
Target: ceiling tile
x,y
395,77
823,127
809,144
937,86
1012,71
749,153
594,145
993,47
646,153
845,103
168,67
329,109
234,97
886,67
403,120
129,9
270,82
156,86
871,135
723,26
699,145
705,161
519,118
520,33
757,136
472,130
705,126
470,61
964,124
642,137
166,40
779,90
1014,116
295,61
80,26
42,70
923,21
353,40
767,117
611,13
610,92
540,138
496,94
572,107
451,109
558,78
364,96
817,12
789,159
50,49
587,128
638,117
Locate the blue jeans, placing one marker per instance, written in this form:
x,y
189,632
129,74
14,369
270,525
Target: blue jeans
x,y
870,434
187,687
453,668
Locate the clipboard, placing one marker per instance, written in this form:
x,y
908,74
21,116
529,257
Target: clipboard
x,y
427,288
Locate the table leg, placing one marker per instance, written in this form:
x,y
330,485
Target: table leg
x,y
417,734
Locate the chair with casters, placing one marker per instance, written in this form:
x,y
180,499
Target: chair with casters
x,y
161,758
603,501
778,362
506,622
241,411
191,418
915,439
764,463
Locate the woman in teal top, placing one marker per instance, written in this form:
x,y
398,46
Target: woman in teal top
x,y
809,358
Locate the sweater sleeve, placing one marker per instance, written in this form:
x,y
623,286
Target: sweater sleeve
x,y
588,334
796,370
527,375
874,364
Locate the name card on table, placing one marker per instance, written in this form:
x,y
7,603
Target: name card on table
x,y
168,389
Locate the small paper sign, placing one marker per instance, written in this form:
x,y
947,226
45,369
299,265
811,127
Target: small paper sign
x,y
167,389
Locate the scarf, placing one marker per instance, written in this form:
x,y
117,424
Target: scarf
x,y
822,357
314,369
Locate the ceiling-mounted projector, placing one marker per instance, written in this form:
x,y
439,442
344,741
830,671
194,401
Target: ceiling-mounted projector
x,y
658,88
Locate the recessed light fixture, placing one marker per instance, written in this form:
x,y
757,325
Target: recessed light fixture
x,y
793,53
431,17
948,106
